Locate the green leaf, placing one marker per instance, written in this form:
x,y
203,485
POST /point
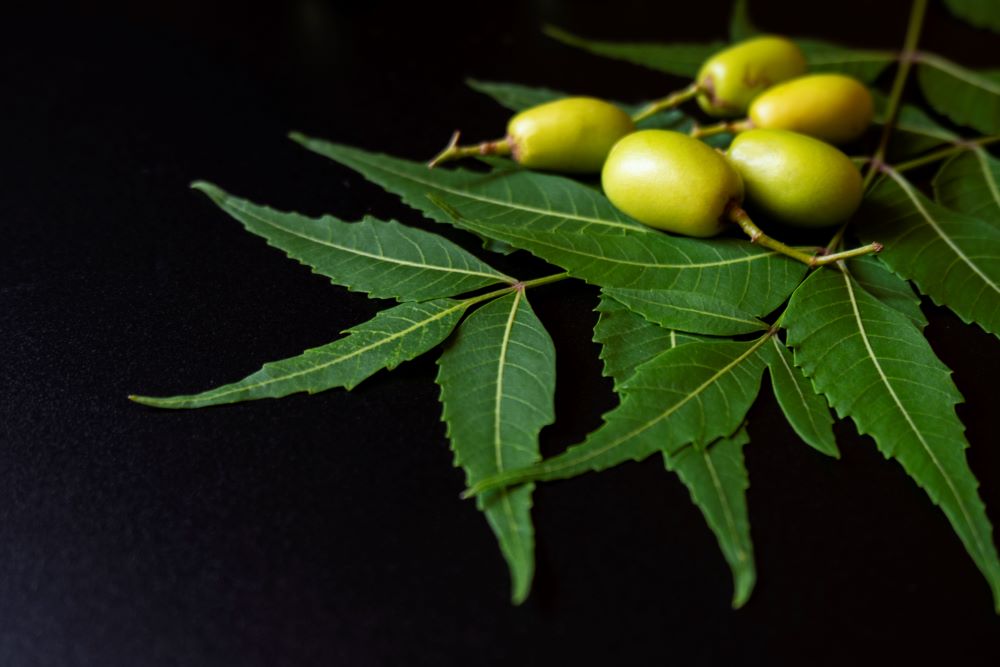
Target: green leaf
x,y
628,340
914,131
953,258
393,336
678,59
966,97
497,379
863,64
717,479
692,394
691,312
877,368
715,475
806,411
740,25
573,226
970,183
887,287
382,259
980,13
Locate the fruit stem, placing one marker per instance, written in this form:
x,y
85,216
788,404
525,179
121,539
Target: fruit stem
x,y
669,102
906,58
731,126
735,213
942,153
455,152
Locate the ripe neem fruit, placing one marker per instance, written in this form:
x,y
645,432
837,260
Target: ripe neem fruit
x,y
732,78
672,182
573,134
831,107
797,179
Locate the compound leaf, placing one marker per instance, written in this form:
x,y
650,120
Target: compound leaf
x,y
692,394
573,226
691,312
953,258
393,336
970,183
382,259
875,367
805,410
497,379
965,96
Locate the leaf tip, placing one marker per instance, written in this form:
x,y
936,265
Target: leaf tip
x,y
214,192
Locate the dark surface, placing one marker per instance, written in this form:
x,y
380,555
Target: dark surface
x,y
327,529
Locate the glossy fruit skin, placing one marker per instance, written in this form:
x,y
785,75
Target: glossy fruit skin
x,y
732,78
573,134
796,179
831,107
672,182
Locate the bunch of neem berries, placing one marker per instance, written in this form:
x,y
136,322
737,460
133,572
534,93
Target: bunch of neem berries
x,y
781,159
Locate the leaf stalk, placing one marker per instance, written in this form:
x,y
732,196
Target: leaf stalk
x,y
669,102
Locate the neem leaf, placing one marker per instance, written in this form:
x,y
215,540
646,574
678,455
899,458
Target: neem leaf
x,y
963,95
970,183
573,226
863,64
628,340
980,13
497,379
692,394
872,274
690,312
806,411
382,259
953,258
914,131
717,479
740,25
393,336
514,96
678,59
877,368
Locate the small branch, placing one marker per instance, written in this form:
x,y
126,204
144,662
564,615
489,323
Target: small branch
x,y
942,153
545,280
899,83
731,126
669,102
455,152
736,214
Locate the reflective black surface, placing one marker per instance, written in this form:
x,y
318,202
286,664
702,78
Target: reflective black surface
x,y
328,529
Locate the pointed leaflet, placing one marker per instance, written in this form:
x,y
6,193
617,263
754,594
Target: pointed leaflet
x,y
914,130
980,13
686,59
715,475
970,183
877,368
695,393
628,340
805,410
687,311
573,226
740,25
497,381
393,336
952,258
965,96
871,273
383,259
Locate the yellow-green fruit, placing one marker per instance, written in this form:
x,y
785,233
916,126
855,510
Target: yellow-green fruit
x,y
732,78
672,182
573,134
796,179
831,107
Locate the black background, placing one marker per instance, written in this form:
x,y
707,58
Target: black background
x,y
327,529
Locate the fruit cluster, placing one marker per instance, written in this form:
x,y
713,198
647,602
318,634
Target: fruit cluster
x,y
781,159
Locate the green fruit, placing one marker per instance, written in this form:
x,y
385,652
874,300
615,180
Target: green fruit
x,y
731,79
831,107
572,134
796,179
672,182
